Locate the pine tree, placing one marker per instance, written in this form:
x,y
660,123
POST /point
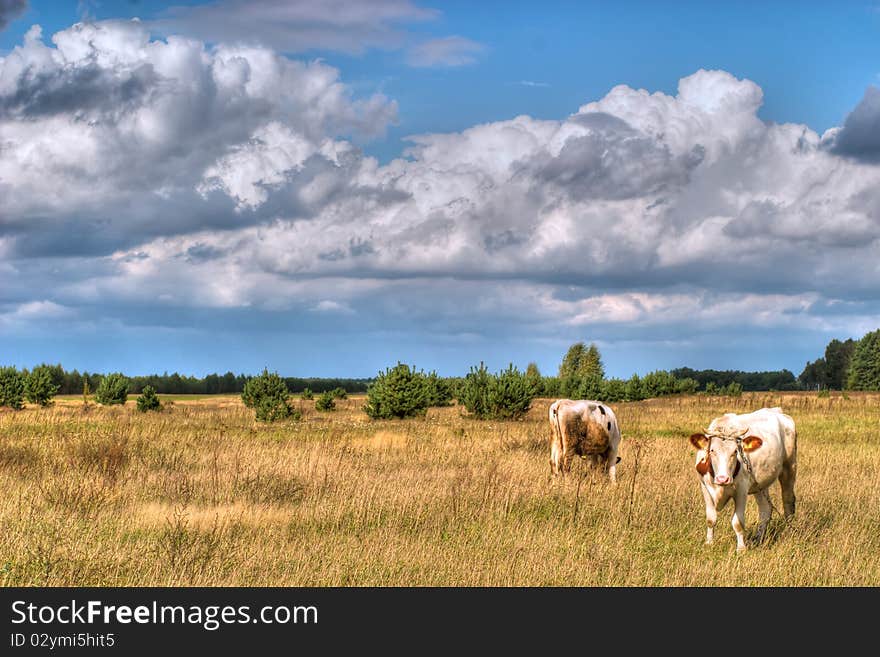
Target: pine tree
x,y
40,386
113,389
864,369
398,392
11,388
148,400
268,395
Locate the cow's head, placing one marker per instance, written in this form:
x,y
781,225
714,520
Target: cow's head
x,y
720,460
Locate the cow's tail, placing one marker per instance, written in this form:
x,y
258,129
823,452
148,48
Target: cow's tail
x,y
555,410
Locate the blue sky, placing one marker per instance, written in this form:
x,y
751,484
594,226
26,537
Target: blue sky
x,y
155,196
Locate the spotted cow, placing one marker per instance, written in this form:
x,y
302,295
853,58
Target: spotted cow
x,y
583,428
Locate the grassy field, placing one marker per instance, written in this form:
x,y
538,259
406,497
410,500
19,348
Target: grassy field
x,y
199,494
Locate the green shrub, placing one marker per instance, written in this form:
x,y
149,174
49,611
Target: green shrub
x,y
732,389
11,388
325,402
613,390
398,392
658,384
474,395
686,386
824,393
633,389
307,394
113,389
268,395
339,393
510,395
534,380
503,396
439,390
712,389
39,386
148,400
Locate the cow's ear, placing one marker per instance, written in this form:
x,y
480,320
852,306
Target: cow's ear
x,y
751,443
699,440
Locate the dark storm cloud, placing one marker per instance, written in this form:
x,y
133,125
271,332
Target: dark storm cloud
x,y
10,10
859,137
89,88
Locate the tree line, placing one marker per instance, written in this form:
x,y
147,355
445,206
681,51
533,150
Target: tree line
x,y
72,382
846,365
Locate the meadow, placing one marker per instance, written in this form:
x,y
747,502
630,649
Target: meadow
x,y
201,494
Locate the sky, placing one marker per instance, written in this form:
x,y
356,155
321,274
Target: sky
x,y
325,188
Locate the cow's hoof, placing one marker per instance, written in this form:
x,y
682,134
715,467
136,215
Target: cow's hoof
x,y
740,549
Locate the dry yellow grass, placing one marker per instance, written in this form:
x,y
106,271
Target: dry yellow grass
x,y
201,495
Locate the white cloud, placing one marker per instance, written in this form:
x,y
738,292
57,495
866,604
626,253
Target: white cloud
x,y
328,306
447,51
140,175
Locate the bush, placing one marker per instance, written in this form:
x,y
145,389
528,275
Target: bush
x,y
824,393
633,389
268,395
307,394
732,389
439,390
339,393
474,395
113,389
658,384
504,396
686,386
11,388
534,380
398,392
39,386
712,389
326,401
148,400
613,390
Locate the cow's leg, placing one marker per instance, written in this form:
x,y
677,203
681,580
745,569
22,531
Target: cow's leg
x,y
786,483
555,453
567,456
711,515
739,517
765,510
611,464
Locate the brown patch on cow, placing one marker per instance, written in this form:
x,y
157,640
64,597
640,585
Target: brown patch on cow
x,y
587,437
703,466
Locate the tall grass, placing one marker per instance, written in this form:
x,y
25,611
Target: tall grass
x,y
200,494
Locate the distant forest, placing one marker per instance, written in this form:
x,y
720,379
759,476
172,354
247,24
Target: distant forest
x,y
750,381
71,383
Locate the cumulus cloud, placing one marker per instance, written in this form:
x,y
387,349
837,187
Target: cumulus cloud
x,y
444,52
10,10
163,181
128,136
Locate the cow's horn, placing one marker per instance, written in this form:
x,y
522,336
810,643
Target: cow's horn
x,y
742,433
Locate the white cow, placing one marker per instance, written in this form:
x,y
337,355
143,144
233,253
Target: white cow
x,y
742,455
583,428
